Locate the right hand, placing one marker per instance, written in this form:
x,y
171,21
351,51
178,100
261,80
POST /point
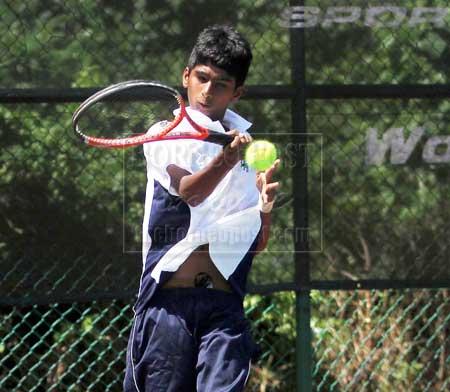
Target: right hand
x,y
234,152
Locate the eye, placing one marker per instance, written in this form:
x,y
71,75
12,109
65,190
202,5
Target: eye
x,y
221,85
202,78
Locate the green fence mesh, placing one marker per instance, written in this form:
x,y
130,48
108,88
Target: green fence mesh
x,y
383,340
377,159
390,340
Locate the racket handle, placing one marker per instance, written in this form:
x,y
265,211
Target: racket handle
x,y
218,138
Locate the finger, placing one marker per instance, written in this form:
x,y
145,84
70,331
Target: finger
x,y
233,132
271,170
270,188
245,139
248,138
270,192
263,179
275,165
262,185
235,142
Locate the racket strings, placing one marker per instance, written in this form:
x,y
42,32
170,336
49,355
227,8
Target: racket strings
x,y
135,112
119,116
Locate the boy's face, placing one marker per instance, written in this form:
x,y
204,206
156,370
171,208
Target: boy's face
x,y
210,90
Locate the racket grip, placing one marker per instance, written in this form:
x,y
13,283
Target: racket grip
x,y
219,138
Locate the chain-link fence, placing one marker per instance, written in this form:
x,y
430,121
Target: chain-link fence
x,y
352,292
386,340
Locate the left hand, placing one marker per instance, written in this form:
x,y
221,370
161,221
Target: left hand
x,y
265,185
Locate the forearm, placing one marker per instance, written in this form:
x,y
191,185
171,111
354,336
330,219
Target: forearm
x,y
194,188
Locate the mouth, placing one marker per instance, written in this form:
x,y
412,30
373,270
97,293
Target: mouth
x,y
204,108
204,105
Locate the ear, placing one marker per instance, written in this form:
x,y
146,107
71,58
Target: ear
x,y
238,92
186,73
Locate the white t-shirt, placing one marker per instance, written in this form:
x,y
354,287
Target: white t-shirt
x,y
228,219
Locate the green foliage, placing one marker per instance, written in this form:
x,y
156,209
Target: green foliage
x,y
375,339
273,326
70,217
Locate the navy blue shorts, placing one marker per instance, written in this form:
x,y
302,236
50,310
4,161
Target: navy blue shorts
x,y
190,339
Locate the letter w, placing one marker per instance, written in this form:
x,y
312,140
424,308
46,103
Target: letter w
x,y
393,140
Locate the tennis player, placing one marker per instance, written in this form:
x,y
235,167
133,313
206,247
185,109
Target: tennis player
x,y
206,216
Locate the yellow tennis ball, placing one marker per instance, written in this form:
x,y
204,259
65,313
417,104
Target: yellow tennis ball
x,y
260,154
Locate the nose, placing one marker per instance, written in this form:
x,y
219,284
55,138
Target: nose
x,y
207,89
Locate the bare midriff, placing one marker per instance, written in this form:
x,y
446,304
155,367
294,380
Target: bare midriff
x,y
197,263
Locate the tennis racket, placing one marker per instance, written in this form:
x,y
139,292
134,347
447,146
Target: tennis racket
x,y
120,116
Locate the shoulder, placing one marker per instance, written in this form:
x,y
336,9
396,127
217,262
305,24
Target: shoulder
x,y
157,127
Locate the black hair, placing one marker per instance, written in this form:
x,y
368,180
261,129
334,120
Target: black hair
x,y
223,47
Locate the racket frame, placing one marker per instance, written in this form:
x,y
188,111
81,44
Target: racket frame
x,y
199,133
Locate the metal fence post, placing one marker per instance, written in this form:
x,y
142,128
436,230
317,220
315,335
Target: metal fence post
x,y
300,190
303,341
